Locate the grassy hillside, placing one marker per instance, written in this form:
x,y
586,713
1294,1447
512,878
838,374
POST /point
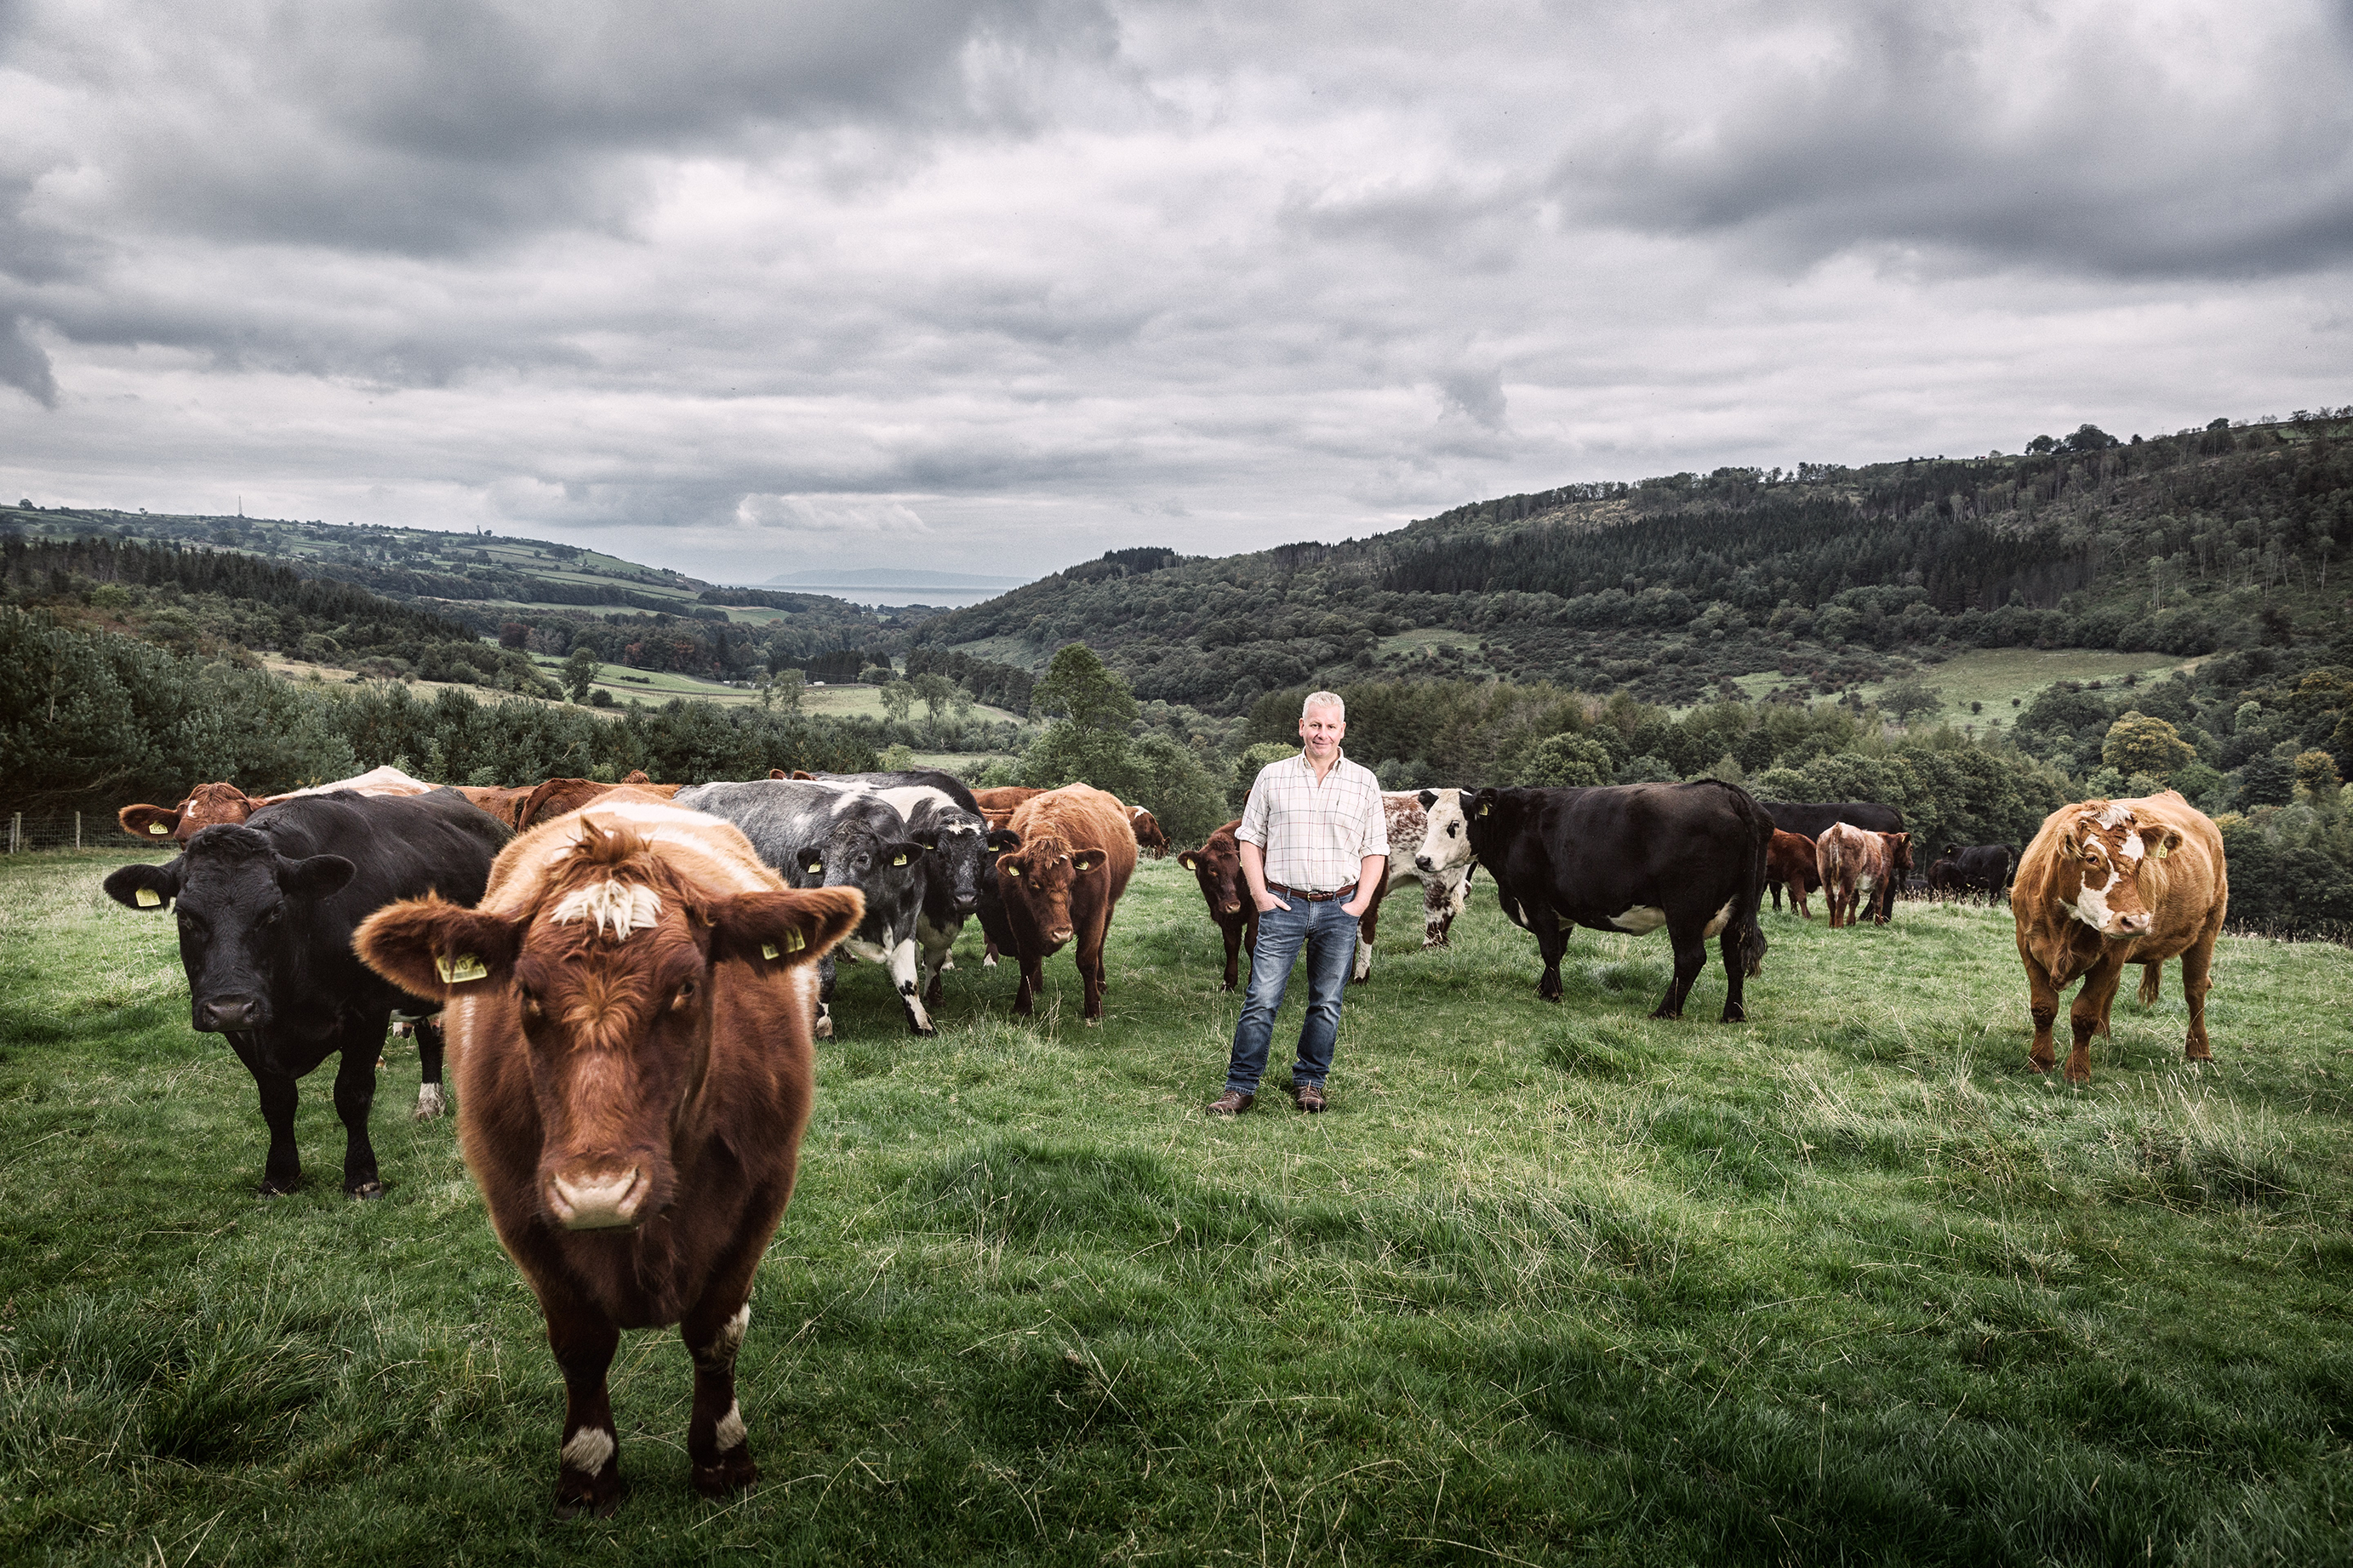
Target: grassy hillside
x,y
1826,580
1547,1284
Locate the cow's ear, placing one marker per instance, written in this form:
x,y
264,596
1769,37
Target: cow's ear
x,y
929,839
776,930
778,774
1012,866
144,887
1085,862
2164,842
1191,861
1951,850
802,773
320,877
436,950
1428,797
149,821
1003,838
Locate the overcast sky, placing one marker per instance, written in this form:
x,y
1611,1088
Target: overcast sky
x,y
996,285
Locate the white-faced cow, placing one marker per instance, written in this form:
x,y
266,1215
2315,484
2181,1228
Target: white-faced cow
x,y
1620,858
632,1007
2111,882
826,833
1444,893
266,911
1858,868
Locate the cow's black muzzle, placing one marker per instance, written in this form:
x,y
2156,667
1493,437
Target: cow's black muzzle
x,y
225,1014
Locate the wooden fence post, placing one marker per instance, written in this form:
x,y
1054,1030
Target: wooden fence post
x,y
16,831
77,830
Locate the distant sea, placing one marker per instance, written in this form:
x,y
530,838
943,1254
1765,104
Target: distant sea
x,y
890,597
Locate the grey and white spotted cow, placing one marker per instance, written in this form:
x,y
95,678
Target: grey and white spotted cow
x,y
830,835
957,871
1445,891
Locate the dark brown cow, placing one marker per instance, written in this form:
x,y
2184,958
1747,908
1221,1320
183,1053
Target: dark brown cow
x,y
1789,862
209,804
1856,865
546,801
1077,854
632,1004
2111,882
1148,836
1217,867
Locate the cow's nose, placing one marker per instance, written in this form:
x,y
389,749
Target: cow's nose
x,y
226,1013
597,1203
1063,934
1421,863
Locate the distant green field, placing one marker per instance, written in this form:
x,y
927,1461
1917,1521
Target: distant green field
x,y
1994,677
1548,1283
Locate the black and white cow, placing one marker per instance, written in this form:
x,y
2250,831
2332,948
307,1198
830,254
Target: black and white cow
x,y
994,925
824,833
1813,819
267,909
1619,857
962,864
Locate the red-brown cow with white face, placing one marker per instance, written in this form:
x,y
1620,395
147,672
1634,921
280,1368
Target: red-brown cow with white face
x,y
632,1007
2111,882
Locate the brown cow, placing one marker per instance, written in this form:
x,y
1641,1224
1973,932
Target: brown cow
x,y
632,1004
1148,836
2111,882
1077,852
1789,862
1854,863
1005,798
209,804
552,798
1217,866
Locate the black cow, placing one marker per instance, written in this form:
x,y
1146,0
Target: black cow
x,y
994,925
1811,817
824,833
1625,858
1975,868
267,909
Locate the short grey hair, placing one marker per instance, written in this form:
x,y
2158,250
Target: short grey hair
x,y
1324,699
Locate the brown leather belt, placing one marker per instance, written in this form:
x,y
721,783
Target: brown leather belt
x,y
1280,891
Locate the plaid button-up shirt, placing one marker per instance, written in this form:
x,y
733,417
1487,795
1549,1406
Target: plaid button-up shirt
x,y
1316,836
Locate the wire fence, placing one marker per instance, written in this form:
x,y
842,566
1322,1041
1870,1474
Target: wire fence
x,y
28,831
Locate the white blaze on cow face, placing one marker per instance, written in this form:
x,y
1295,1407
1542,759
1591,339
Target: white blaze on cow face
x,y
2109,873
615,908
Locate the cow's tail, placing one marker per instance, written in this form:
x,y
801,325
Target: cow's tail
x,y
1748,928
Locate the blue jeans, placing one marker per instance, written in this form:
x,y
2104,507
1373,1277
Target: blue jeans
x,y
1329,934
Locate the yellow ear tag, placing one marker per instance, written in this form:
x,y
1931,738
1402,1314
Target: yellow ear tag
x,y
767,950
458,970
1482,811
2163,850
899,860
811,871
149,898
159,830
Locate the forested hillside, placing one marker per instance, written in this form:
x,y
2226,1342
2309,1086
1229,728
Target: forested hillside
x,y
534,596
1826,578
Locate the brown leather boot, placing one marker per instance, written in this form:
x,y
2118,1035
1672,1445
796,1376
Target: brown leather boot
x,y
1233,1102
1310,1097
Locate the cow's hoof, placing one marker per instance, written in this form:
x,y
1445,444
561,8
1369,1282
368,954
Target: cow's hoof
x,y
430,1103
1094,1023
733,1472
824,1029
269,1189
1227,986
367,1192
594,1500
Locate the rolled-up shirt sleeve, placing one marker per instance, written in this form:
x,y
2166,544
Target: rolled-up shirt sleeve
x,y
1375,836
1253,827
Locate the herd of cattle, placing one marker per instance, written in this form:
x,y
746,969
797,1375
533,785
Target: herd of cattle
x,y
635,975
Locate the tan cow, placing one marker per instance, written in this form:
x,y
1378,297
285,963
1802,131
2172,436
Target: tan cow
x,y
1856,865
631,1007
1077,854
2111,882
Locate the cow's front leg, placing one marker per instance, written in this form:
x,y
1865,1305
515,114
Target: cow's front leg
x,y
1690,957
2197,979
1367,932
430,1046
823,1029
2089,1015
1437,911
902,966
715,1442
1033,982
354,1097
1233,935
1552,941
589,1479
281,1169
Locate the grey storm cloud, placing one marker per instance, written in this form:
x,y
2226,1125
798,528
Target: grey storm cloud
x,y
1022,279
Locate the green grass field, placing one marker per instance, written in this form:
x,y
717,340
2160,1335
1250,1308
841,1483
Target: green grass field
x,y
1549,1284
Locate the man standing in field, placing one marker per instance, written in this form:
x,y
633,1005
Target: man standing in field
x,y
1314,846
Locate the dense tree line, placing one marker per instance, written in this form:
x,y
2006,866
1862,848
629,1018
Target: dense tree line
x,y
1827,576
